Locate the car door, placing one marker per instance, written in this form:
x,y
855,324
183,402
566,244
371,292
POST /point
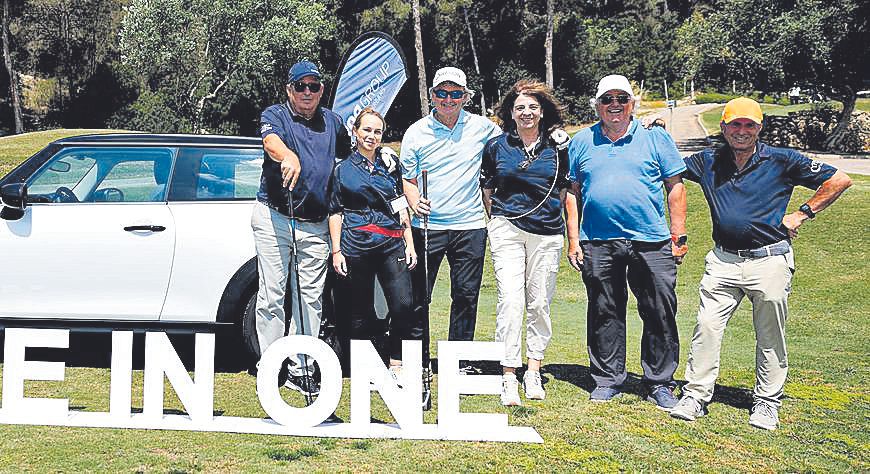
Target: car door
x,y
213,192
96,240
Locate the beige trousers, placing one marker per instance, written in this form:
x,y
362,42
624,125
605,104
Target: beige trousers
x,y
525,267
727,279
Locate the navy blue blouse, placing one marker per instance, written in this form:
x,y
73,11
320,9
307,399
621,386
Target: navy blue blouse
x,y
363,197
520,182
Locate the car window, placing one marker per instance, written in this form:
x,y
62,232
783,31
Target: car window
x,y
103,174
217,174
66,170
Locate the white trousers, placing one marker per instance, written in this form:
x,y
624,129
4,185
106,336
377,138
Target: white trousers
x,y
272,238
526,266
727,279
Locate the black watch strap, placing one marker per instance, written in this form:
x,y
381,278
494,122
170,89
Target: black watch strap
x,y
806,209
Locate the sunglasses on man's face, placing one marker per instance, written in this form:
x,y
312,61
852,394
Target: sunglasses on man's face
x,y
300,86
607,99
442,94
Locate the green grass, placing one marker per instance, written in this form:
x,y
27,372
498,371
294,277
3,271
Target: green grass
x,y
824,417
14,148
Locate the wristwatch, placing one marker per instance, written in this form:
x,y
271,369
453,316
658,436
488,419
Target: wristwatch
x,y
679,240
806,209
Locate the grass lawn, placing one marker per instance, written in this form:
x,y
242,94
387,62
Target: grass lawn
x,y
824,416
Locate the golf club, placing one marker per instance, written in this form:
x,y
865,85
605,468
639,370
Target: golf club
x,y
427,389
308,396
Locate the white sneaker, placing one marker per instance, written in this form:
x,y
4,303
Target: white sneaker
x,y
532,385
510,396
764,415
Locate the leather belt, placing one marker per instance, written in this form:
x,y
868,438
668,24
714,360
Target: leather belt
x,y
780,248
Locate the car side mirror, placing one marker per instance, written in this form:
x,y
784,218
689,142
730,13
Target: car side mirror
x,y
14,199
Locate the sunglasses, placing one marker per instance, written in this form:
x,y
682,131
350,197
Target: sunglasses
x,y
300,86
442,94
607,99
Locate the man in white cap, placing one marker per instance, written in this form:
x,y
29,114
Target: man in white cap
x,y
449,144
624,242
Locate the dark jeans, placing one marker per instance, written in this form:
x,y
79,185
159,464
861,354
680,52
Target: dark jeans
x,y
392,272
465,253
651,274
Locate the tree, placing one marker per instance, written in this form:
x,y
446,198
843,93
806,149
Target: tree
x,y
14,93
826,44
774,45
548,43
421,65
187,51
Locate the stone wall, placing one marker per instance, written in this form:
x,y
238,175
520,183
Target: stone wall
x,y
807,130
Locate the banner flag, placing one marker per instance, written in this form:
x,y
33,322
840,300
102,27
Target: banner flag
x,y
371,74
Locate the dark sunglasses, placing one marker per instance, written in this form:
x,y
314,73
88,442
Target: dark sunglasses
x,y
442,94
300,86
607,99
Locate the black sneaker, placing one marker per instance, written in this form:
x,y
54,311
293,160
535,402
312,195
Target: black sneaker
x,y
304,384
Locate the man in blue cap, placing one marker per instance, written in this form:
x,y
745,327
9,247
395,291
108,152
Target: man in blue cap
x,y
302,141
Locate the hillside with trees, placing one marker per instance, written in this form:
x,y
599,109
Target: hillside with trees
x,y
210,66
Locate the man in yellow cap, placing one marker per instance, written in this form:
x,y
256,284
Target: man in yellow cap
x,y
748,186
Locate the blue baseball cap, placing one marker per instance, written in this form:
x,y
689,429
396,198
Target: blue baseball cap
x,y
302,69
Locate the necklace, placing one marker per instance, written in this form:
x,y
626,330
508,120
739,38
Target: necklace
x,y
530,157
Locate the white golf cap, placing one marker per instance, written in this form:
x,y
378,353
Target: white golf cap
x,y
614,82
450,74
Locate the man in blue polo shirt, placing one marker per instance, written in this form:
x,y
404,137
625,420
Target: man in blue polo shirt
x,y
301,140
619,170
449,144
748,186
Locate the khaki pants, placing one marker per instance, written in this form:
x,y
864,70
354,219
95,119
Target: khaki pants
x,y
525,267
727,279
273,238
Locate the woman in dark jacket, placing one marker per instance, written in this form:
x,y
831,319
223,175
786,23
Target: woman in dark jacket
x,y
524,181
369,225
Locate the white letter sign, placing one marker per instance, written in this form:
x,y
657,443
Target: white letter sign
x,y
402,395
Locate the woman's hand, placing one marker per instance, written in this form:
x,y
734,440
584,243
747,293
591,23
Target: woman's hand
x,y
410,257
575,257
339,263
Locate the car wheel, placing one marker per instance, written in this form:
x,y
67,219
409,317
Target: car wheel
x,y
249,327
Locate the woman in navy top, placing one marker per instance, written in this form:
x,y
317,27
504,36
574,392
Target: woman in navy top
x,y
524,181
369,225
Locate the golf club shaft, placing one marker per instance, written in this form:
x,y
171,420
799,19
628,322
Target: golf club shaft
x,y
425,189
308,400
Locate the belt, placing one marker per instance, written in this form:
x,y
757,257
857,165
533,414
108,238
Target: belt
x,y
780,248
376,229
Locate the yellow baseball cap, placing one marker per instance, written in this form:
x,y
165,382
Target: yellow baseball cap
x,y
742,107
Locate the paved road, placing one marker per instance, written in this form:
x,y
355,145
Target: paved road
x,y
682,123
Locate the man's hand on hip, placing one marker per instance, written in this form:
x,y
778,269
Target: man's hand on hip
x,y
792,222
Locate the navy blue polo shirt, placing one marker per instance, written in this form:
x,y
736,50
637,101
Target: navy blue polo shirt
x,y
747,206
317,142
517,191
363,197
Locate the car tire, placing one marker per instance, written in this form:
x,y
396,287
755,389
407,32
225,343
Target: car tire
x,y
248,321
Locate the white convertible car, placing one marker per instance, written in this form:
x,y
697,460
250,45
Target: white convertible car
x,y
132,231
